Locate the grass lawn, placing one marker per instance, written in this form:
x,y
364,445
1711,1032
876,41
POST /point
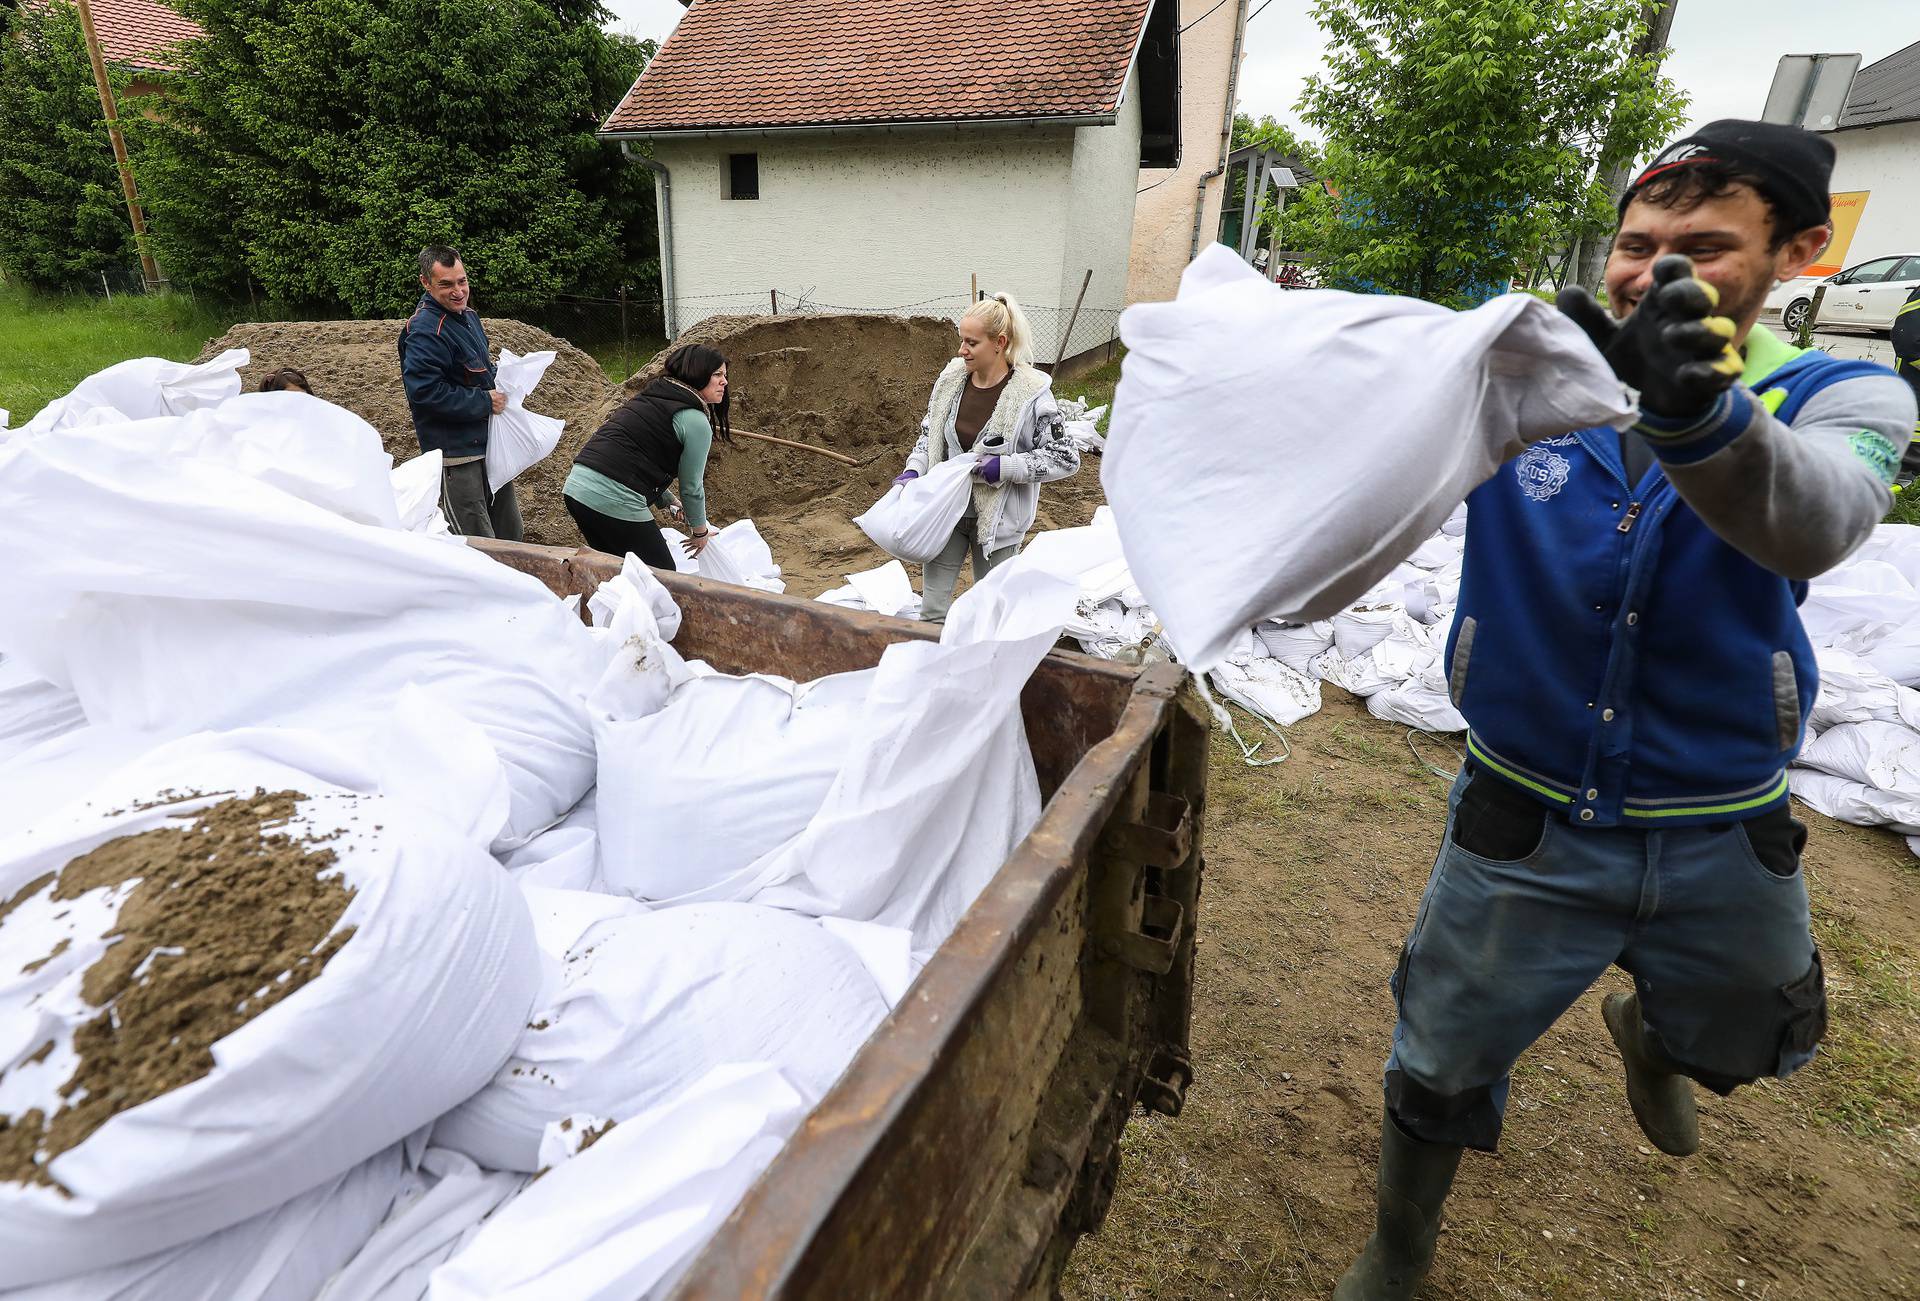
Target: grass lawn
x,y
49,344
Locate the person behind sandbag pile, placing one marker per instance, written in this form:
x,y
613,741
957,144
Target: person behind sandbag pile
x,y
446,364
663,433
992,403
1628,654
1906,363
286,380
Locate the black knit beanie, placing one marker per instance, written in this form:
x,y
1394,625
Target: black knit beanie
x,y
1794,166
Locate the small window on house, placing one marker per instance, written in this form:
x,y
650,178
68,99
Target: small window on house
x,y
743,176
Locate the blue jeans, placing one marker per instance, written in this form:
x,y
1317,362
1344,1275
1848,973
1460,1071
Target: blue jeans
x,y
1711,922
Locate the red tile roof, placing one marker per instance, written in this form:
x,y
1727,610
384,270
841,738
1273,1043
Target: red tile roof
x,y
766,63
139,33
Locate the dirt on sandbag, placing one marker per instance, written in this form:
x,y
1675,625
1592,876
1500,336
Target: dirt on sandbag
x,y
225,918
855,383
357,365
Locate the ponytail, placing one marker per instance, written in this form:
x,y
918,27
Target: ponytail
x,y
1000,315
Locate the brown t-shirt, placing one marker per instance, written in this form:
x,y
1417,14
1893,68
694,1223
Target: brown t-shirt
x,y
976,408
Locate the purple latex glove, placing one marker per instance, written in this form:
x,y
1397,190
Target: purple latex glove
x,y
988,468
908,477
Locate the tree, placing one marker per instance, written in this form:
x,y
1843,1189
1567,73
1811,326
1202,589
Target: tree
x,y
62,218
1287,225
1461,133
314,146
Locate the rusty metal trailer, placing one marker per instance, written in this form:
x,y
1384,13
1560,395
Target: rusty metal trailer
x,y
976,1135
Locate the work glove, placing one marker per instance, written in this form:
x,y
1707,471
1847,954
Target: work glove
x,y
908,477
988,468
1672,348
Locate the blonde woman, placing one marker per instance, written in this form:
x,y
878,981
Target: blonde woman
x,y
990,402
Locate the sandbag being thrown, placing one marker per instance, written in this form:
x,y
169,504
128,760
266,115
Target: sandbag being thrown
x,y
234,973
1318,437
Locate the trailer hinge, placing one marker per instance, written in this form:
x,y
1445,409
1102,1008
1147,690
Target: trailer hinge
x,y
1164,1087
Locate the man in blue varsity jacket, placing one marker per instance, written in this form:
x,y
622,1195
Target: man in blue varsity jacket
x,y
1629,657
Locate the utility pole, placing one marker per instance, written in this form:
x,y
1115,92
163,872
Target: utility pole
x,y
1590,267
148,271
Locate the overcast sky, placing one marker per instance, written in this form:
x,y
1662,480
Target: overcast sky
x,y
1724,51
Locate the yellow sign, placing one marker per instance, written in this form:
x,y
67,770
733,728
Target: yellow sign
x,y
1846,219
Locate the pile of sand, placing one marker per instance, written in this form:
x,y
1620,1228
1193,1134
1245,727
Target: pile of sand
x,y
357,364
855,383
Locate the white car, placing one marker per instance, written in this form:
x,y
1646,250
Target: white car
x,y
1869,294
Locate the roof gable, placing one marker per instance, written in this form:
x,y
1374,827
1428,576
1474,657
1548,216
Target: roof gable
x,y
1887,91
742,64
138,33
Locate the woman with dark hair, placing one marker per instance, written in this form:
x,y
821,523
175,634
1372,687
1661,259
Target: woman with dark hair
x,y
284,379
664,433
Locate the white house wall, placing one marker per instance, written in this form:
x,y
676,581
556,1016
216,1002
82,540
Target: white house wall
x,y
870,219
1163,215
1885,161
1099,230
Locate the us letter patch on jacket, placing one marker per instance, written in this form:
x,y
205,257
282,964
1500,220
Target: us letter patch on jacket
x,y
1542,472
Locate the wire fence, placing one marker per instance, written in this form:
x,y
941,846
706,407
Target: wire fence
x,y
625,328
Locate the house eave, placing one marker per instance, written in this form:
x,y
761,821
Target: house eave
x,y
1107,118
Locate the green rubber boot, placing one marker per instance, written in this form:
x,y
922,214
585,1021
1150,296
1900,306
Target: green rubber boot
x,y
1414,1179
1662,1098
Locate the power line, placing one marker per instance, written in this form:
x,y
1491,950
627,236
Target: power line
x,y
1262,9
1203,17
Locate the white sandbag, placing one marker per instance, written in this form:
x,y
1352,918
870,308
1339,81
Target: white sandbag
x,y
1295,644
283,1254
416,495
1267,413
886,590
728,771
1885,756
739,555
172,593
1853,690
624,1217
1417,703
424,995
516,437
649,1003
1850,801
911,830
1359,630
143,388
915,520
1267,687
566,856
635,582
439,1208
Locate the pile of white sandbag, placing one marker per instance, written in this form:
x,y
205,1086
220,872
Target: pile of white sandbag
x,y
240,613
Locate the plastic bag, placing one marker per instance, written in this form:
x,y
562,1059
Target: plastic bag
x,y
424,995
516,437
1268,415
915,520
650,1002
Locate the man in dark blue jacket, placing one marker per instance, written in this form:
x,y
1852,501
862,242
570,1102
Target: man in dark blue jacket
x,y
449,374
1628,654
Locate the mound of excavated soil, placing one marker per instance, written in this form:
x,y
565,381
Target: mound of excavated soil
x,y
357,364
857,384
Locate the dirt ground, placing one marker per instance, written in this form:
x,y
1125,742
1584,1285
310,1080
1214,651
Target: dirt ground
x,y
1808,1188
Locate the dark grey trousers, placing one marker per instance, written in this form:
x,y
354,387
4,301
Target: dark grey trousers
x,y
473,512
